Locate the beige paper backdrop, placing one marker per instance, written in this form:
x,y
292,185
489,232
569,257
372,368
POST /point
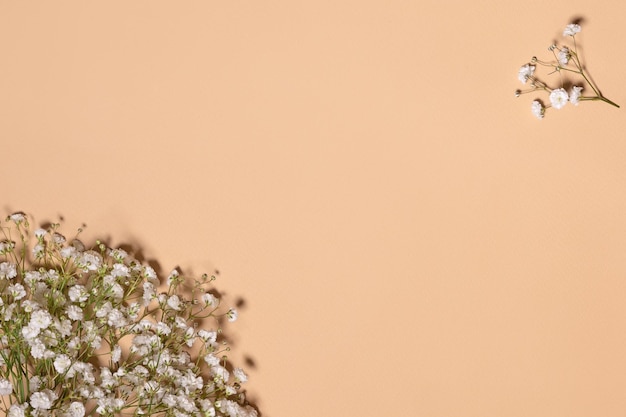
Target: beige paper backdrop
x,y
408,239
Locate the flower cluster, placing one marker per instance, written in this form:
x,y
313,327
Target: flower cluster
x,y
94,332
566,60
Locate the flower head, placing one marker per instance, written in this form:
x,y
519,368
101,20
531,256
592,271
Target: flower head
x,y
574,95
538,109
558,98
525,72
564,55
571,29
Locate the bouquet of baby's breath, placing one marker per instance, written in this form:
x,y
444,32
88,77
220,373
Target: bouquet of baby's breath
x,y
93,332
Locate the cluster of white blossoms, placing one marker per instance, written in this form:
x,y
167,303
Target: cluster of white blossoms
x,y
566,60
93,332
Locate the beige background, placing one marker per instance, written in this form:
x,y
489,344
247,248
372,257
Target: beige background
x,y
408,238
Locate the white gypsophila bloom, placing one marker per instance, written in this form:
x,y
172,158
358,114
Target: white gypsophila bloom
x,y
104,309
43,399
149,292
558,98
34,383
40,319
109,405
17,217
564,55
30,332
117,292
89,261
8,312
17,291
39,233
38,250
149,273
7,270
116,354
574,95
174,302
58,238
17,410
6,388
76,409
116,318
207,336
537,109
74,312
78,293
571,29
525,72
209,300
32,277
240,375
64,327
68,252
172,277
37,348
120,270
118,254
232,314
62,363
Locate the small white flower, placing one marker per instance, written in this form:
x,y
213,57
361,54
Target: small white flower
x,y
538,109
525,73
34,383
40,319
564,55
571,29
43,399
574,95
76,409
6,388
116,354
78,293
74,312
17,218
39,233
17,291
232,314
7,270
240,375
62,363
558,98
174,302
209,300
17,410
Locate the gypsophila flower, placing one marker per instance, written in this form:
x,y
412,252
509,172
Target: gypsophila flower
x,y
525,72
240,375
17,291
7,270
6,387
17,410
571,29
564,55
558,98
43,399
574,95
80,334
537,109
17,218
232,314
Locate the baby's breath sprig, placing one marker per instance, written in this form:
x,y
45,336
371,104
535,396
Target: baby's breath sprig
x,y
93,332
566,60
